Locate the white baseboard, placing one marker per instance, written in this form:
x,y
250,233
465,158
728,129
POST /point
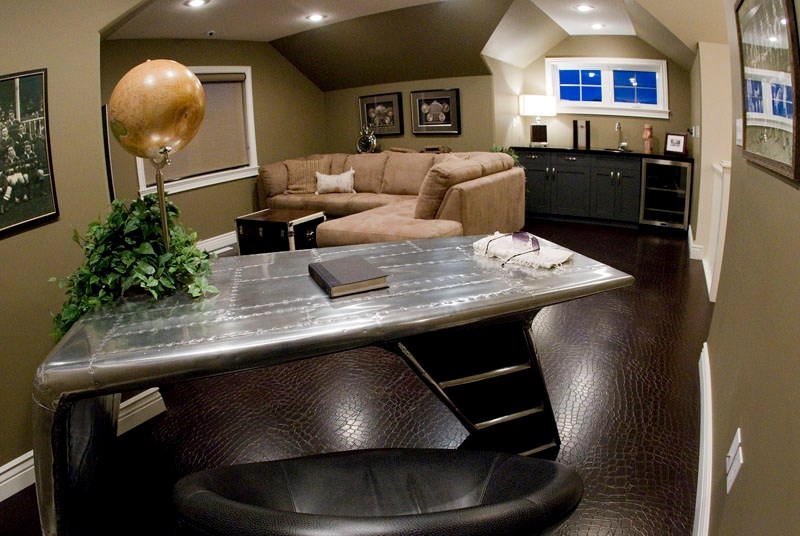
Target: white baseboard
x,y
708,271
696,251
219,242
16,475
19,473
702,511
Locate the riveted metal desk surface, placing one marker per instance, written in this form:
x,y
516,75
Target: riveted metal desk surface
x,y
269,311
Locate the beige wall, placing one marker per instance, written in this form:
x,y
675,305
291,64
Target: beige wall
x,y
753,348
342,120
66,41
288,110
559,129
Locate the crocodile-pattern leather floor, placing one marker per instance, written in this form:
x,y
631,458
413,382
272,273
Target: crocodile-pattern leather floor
x,y
621,369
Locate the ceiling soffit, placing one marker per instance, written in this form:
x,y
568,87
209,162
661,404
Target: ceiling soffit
x,y
650,30
524,35
610,16
242,20
439,40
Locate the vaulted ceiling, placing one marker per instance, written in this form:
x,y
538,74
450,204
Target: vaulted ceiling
x,y
366,42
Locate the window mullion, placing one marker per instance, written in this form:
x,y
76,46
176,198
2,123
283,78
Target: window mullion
x,y
607,78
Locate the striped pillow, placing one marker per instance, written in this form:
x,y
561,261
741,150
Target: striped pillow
x,y
302,174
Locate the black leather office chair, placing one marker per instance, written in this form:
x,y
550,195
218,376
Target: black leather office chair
x,y
384,492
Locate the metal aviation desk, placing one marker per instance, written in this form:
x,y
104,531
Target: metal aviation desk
x,y
460,319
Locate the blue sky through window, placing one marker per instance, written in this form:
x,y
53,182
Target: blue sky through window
x,y
754,100
581,85
782,101
636,87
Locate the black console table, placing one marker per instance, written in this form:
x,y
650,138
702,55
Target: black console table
x,y
460,319
607,185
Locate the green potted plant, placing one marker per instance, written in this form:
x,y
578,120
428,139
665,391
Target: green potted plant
x,y
496,148
125,256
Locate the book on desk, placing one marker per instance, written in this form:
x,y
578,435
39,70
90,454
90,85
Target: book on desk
x,y
347,275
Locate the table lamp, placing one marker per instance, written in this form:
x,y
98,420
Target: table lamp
x,y
538,106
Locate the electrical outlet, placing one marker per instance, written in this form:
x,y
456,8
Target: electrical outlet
x,y
734,459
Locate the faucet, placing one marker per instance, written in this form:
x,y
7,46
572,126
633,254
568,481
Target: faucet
x,y
621,144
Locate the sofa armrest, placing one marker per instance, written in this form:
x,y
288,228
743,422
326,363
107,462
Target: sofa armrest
x,y
492,203
273,179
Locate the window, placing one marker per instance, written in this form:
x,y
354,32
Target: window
x,y
768,98
635,87
782,100
609,86
581,85
224,149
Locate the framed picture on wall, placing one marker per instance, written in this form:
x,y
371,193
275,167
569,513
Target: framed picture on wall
x,y
768,50
436,112
382,113
676,144
27,191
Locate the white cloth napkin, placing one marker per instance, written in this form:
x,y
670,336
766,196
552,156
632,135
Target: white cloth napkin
x,y
503,247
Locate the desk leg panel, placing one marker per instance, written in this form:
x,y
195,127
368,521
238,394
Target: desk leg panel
x,y
490,377
72,460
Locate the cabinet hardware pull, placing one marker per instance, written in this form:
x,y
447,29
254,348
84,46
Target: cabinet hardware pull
x,y
532,157
571,158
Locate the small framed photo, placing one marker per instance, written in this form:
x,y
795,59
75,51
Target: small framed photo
x,y
436,112
382,113
676,144
27,191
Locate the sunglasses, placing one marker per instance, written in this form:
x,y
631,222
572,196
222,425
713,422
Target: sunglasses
x,y
520,238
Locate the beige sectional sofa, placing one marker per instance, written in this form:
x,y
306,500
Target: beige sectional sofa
x,y
392,196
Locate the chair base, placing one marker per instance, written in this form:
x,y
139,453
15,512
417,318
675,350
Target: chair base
x,y
383,492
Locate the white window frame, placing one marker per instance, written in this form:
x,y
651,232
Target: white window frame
x,y
608,107
768,119
174,185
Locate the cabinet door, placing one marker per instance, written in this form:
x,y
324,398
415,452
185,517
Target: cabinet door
x,y
616,188
628,195
604,193
537,182
571,185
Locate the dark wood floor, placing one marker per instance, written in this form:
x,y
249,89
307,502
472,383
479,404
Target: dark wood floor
x,y
621,368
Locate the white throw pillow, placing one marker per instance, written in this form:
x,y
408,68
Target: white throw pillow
x,y
336,184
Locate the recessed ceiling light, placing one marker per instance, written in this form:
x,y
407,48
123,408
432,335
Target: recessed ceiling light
x,y
316,17
583,8
195,3
598,26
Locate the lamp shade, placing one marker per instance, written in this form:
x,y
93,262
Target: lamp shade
x,y
537,105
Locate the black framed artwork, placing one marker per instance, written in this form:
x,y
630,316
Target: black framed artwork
x,y
676,143
383,114
436,112
27,190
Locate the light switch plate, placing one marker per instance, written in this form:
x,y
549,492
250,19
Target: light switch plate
x,y
734,459
737,441
736,464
